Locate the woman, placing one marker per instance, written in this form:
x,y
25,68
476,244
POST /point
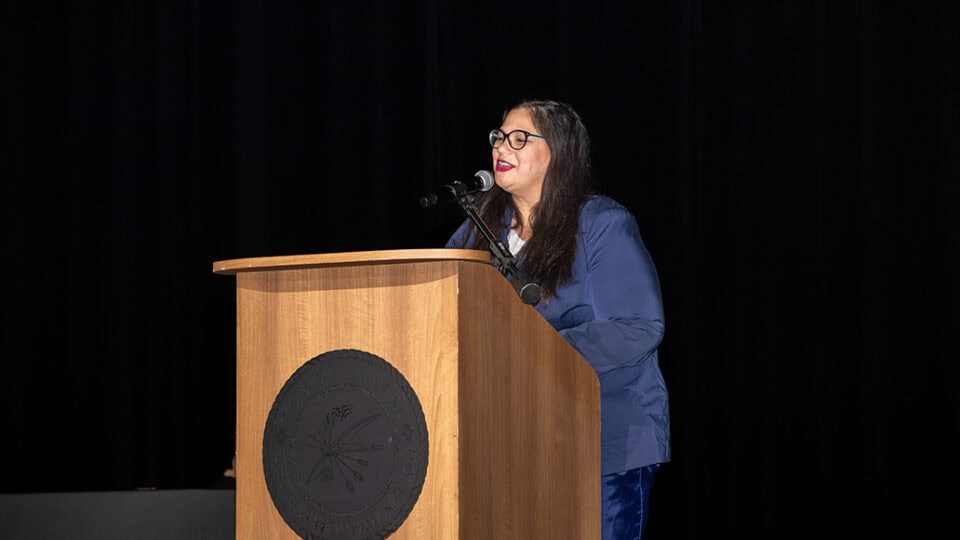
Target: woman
x,y
599,289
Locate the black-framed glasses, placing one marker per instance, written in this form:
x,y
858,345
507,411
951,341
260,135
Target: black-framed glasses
x,y
517,138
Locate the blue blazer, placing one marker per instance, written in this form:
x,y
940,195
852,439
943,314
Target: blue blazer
x,y
611,312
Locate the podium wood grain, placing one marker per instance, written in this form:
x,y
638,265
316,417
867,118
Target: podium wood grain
x,y
512,410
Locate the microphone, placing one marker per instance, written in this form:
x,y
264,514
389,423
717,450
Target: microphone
x,y
481,181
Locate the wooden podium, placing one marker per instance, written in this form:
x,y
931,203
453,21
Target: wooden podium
x,y
511,409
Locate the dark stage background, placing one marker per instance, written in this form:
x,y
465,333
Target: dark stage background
x,y
794,168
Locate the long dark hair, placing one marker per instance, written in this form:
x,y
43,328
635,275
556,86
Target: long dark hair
x,y
548,255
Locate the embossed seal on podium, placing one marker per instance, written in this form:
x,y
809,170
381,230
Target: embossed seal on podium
x,y
345,447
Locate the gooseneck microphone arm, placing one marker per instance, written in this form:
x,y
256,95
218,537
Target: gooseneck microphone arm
x,y
466,194
501,258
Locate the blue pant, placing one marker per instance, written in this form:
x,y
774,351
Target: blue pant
x,y
625,502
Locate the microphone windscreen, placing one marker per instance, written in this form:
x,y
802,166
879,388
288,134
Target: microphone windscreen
x,y
486,177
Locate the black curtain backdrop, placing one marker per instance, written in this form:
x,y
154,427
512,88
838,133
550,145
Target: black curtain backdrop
x,y
794,167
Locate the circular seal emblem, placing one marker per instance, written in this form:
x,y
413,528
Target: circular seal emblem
x,y
345,447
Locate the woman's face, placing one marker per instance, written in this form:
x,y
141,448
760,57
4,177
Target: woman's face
x,y
521,172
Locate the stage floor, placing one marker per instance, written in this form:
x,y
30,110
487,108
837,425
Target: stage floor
x,y
144,515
